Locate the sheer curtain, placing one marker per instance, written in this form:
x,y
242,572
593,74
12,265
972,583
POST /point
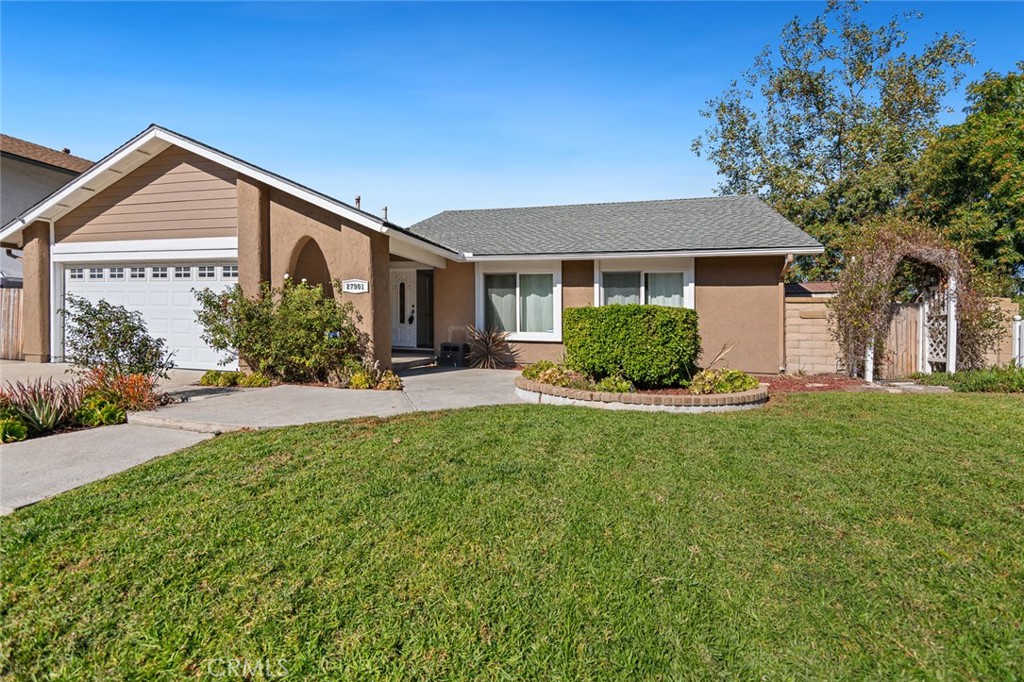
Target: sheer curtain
x,y
621,288
500,302
665,288
538,303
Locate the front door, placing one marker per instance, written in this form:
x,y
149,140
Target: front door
x,y
403,308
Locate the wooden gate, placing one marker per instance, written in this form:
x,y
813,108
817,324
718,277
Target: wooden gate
x,y
903,345
10,324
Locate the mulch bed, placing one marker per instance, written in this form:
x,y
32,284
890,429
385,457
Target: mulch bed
x,y
811,383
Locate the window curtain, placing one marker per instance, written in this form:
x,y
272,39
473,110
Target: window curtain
x,y
538,303
665,288
621,288
500,302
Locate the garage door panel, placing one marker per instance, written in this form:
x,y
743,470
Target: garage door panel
x,y
167,304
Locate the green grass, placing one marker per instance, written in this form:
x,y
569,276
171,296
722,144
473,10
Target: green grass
x,y
991,380
830,536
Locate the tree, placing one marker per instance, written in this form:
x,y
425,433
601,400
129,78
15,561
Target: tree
x,y
827,129
970,181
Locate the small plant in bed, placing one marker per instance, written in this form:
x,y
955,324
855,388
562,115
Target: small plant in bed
x,y
722,381
1008,379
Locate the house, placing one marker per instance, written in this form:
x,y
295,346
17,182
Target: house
x,y
28,173
164,214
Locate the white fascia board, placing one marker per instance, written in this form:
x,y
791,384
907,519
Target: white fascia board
x,y
209,248
805,251
59,197
415,250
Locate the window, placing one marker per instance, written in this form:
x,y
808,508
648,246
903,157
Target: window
x,y
653,288
206,272
137,273
182,272
76,273
116,273
524,304
95,273
229,271
159,272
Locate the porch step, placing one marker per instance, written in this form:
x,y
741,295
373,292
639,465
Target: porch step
x,y
411,360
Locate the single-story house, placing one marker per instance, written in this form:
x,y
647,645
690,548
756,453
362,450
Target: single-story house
x,y
164,214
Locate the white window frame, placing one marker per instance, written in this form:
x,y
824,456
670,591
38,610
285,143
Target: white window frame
x,y
116,273
646,266
553,268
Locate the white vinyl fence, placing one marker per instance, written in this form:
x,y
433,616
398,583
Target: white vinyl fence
x,y
1018,341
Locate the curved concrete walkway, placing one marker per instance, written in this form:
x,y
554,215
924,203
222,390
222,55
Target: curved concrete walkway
x,y
33,470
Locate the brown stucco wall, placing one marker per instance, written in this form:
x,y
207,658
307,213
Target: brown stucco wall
x,y
253,208
176,194
454,302
35,323
577,283
350,251
739,302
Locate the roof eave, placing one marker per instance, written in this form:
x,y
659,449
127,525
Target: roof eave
x,y
685,253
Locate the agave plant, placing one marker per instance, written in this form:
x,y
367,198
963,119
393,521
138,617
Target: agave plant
x,y
490,349
43,405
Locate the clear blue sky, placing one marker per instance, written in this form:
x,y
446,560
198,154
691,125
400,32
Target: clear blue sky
x,y
421,107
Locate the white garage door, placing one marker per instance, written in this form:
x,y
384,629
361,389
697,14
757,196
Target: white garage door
x,y
162,292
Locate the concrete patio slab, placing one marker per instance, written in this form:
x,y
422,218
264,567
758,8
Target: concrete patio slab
x,y
34,470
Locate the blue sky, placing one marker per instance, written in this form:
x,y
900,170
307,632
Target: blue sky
x,y
426,106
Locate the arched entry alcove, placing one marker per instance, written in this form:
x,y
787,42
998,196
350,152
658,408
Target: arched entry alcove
x,y
308,263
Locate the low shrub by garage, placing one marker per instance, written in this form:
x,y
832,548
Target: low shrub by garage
x,y
647,345
294,333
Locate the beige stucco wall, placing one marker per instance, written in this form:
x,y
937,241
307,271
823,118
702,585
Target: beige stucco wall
x,y
739,301
35,309
454,302
810,347
176,194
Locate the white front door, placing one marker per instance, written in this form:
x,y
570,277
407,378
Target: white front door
x,y
403,308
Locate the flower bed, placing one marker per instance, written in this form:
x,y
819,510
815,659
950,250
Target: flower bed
x,y
546,394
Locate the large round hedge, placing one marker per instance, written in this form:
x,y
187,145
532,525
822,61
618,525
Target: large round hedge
x,y
649,345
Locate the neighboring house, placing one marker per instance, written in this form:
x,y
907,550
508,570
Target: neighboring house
x,y
29,173
164,214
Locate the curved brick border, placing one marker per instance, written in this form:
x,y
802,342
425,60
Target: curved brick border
x,y
545,394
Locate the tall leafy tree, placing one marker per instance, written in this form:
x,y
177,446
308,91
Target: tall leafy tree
x,y
970,182
827,126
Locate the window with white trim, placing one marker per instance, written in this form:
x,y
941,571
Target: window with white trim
x,y
229,271
525,302
115,273
137,273
653,288
182,272
95,273
158,272
206,272
76,273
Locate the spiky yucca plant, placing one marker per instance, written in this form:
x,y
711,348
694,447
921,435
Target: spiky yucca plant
x,y
43,405
490,349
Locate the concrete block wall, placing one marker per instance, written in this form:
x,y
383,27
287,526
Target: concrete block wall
x,y
809,344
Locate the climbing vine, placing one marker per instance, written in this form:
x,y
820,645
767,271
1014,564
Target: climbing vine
x,y
892,262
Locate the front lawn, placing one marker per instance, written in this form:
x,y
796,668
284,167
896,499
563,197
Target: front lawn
x,y
829,536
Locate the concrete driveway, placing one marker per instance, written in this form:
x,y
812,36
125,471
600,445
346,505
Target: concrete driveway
x,y
17,370
33,470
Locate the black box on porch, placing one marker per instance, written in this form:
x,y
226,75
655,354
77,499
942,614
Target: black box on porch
x,y
453,354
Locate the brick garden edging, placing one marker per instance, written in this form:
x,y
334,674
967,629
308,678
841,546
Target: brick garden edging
x,y
545,394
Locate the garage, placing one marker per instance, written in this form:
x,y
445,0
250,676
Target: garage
x,y
162,292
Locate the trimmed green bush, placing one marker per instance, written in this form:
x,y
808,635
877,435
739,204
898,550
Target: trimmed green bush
x,y
722,381
646,345
1008,379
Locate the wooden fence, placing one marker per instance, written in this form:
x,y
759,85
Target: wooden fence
x,y
10,324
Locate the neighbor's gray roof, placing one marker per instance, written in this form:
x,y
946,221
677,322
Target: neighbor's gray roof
x,y
717,223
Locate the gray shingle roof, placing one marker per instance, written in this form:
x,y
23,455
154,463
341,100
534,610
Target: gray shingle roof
x,y
716,223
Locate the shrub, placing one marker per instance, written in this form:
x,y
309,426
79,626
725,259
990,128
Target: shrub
x,y
42,406
12,429
722,381
534,370
1007,379
254,380
644,344
131,392
560,376
98,410
613,385
215,377
389,381
489,349
294,333
111,336
361,380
